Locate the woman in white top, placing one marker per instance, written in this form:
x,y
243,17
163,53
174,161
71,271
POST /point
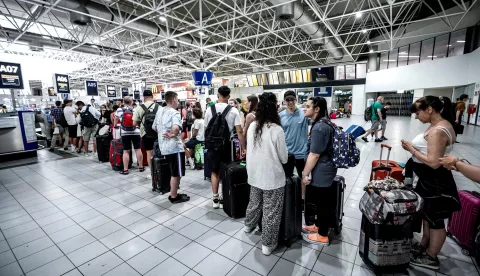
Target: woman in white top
x,y
197,137
266,152
252,103
435,183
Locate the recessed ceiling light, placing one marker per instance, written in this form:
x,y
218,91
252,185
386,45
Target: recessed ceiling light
x,y
368,42
94,46
364,31
449,45
461,41
358,14
46,36
371,51
162,18
201,33
250,51
432,56
229,43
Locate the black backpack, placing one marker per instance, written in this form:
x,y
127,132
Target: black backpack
x,y
368,113
147,120
63,121
218,132
190,119
87,118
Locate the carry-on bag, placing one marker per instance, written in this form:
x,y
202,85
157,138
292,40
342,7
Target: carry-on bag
x,y
356,131
199,156
103,144
463,225
160,175
395,170
235,188
116,155
207,173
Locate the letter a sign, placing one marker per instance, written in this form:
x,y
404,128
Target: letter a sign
x,y
202,78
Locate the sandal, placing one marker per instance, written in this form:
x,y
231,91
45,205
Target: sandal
x,y
142,169
124,172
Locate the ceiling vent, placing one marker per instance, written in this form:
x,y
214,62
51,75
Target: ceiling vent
x,y
284,12
80,19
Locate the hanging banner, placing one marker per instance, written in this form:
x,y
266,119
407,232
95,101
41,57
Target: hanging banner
x,y
111,91
136,95
11,75
202,78
91,88
124,91
62,84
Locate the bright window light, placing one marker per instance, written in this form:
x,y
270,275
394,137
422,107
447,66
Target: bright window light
x,y
364,31
162,18
368,42
358,14
432,56
461,41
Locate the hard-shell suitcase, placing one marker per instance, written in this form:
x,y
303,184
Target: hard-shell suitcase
x,y
160,175
396,171
235,189
103,147
116,155
207,173
355,131
289,167
385,248
464,224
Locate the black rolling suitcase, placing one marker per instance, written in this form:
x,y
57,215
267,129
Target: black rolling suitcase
x,y
207,173
160,175
103,147
291,225
339,181
235,189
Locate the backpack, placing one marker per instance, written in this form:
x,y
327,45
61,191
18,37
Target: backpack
x,y
87,118
63,121
368,113
148,119
190,119
217,133
345,152
127,120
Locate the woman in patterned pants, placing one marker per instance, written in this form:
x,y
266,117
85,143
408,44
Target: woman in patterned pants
x,y
266,152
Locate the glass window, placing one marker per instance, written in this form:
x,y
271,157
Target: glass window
x,y
350,72
414,53
293,78
255,81
304,76
457,43
392,58
270,78
250,80
383,60
298,74
441,46
361,71
403,56
286,76
427,50
309,75
264,79
275,78
340,72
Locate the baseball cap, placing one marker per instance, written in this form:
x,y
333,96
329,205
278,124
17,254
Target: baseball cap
x,y
147,93
290,95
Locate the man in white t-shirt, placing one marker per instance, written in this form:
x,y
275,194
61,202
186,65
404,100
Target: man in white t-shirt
x,y
216,158
70,114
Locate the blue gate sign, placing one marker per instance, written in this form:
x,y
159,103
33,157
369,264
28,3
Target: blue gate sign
x,y
202,78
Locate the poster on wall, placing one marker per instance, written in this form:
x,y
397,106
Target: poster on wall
x,y
124,92
11,75
91,88
62,85
111,91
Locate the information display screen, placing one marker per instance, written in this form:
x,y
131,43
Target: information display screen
x,y
124,92
91,88
111,91
11,75
62,84
136,95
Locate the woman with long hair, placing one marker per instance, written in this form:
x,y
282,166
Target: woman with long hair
x,y
252,103
319,173
266,153
435,183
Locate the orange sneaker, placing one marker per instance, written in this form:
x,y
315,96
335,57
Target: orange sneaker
x,y
316,239
310,229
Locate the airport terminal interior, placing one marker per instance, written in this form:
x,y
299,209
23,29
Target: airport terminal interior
x,y
68,212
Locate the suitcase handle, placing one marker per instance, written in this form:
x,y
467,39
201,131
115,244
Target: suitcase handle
x,y
388,169
386,146
388,154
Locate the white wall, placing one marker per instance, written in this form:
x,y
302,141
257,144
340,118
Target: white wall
x,y
447,72
358,99
444,92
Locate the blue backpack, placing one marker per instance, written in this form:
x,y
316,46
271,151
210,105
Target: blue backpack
x,y
345,152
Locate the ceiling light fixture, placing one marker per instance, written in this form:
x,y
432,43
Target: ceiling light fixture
x,y
368,42
162,18
201,33
94,46
432,56
358,14
46,36
461,41
371,51
229,43
364,31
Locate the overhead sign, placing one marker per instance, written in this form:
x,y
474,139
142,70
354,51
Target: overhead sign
x,y
62,84
111,91
124,91
92,87
11,75
322,91
136,95
202,78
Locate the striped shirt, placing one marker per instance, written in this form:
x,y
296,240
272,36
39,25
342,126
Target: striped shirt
x,y
119,115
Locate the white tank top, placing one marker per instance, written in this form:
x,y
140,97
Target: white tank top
x,y
421,144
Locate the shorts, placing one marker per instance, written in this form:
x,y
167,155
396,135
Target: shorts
x,y
176,163
214,159
192,143
89,132
375,124
72,131
128,140
383,124
186,127
148,142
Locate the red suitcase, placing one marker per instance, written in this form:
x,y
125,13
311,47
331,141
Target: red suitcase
x,y
116,155
464,224
396,171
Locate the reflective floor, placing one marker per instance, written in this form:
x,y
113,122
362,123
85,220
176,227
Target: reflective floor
x,y
76,216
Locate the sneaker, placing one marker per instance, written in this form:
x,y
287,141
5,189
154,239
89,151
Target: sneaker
x,y
51,149
384,138
216,203
316,239
310,229
425,260
249,229
365,139
86,154
267,251
179,198
417,248
73,149
94,154
378,140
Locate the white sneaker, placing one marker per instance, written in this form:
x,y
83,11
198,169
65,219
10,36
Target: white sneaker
x,y
267,250
249,229
94,154
86,154
216,203
73,149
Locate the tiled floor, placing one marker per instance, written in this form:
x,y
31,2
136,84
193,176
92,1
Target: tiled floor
x,y
78,217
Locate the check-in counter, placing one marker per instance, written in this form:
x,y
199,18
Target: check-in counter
x,y
17,135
